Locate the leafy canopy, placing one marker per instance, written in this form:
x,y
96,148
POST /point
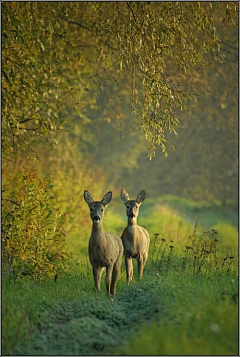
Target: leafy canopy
x,y
57,56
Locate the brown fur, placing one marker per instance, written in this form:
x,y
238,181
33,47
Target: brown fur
x,y
105,249
135,238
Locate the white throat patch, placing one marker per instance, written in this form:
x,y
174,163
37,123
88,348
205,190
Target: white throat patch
x,y
131,229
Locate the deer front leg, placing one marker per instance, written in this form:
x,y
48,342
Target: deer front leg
x,y
129,269
115,274
140,267
108,278
97,274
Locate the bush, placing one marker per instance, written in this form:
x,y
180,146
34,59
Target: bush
x,y
32,231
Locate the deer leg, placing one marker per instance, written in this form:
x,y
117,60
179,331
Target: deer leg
x,y
140,267
129,269
108,278
97,274
115,274
144,259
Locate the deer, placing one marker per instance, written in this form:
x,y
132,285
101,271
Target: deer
x,y
135,238
105,249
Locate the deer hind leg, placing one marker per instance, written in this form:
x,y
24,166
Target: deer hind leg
x,y
115,274
141,264
97,274
109,270
145,256
129,269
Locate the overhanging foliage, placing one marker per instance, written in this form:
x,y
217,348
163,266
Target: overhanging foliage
x,y
55,54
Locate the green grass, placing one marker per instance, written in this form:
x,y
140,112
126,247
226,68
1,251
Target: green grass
x,y
163,314
184,305
194,319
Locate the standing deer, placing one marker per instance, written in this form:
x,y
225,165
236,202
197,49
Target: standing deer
x,y
105,249
135,238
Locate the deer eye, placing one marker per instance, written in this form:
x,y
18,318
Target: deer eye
x,y
91,209
101,209
127,206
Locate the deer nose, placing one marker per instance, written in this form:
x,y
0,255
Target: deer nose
x,y
96,218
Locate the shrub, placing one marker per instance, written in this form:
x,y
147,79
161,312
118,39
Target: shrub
x,y
32,231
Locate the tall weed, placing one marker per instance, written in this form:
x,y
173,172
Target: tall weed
x,y
198,255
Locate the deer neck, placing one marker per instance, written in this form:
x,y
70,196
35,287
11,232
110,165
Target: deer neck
x,y
98,233
132,224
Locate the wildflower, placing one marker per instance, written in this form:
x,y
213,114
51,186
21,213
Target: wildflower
x,y
214,327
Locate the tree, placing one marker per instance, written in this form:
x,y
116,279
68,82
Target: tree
x,y
57,54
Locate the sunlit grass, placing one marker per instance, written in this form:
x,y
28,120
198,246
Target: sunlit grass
x,y
195,320
228,238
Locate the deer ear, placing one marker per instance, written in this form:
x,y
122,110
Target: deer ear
x,y
87,197
141,196
106,199
124,195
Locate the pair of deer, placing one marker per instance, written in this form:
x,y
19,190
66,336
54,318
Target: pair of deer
x,y
106,249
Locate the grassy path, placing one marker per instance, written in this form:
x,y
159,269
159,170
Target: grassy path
x,y
68,318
